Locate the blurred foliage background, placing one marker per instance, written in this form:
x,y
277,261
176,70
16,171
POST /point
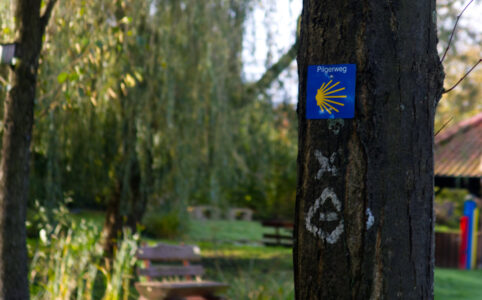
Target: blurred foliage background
x,y
145,105
144,108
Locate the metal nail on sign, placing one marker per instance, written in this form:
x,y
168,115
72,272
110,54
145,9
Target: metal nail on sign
x,y
330,91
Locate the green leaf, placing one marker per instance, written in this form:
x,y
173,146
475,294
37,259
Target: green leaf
x,y
62,77
73,77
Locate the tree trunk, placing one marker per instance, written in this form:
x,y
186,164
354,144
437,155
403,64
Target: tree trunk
x,y
379,165
112,223
125,208
127,204
14,165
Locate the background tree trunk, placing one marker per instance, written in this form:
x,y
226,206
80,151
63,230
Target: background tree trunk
x,y
14,165
381,169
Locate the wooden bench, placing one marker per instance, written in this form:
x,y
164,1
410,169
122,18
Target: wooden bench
x,y
282,236
177,278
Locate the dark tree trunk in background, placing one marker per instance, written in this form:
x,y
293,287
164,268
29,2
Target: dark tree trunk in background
x,y
14,165
383,158
113,223
128,201
125,208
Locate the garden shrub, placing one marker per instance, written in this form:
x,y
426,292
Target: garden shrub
x,y
160,224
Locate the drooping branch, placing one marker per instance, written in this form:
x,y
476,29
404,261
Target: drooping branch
x,y
463,77
453,30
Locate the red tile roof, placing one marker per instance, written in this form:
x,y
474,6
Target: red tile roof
x,y
458,150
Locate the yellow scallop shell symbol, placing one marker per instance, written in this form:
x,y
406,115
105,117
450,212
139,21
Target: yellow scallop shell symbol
x,y
325,95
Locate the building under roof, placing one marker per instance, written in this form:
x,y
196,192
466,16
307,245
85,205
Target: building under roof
x,y
458,156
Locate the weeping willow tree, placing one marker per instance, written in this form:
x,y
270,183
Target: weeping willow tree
x,y
144,103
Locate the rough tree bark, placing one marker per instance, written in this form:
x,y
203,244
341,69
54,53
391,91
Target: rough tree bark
x,y
379,165
14,165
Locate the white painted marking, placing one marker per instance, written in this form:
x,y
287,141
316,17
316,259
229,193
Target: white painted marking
x,y
334,235
370,218
326,165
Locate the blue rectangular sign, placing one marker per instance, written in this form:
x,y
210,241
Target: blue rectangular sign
x,y
330,91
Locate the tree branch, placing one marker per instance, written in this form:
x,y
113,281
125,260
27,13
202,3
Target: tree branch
x,y
461,79
453,30
443,126
44,19
274,71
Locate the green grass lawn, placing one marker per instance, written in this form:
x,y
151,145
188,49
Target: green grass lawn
x,y
268,271
252,272
263,273
226,231
458,284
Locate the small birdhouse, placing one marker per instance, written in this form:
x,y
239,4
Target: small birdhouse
x,y
7,53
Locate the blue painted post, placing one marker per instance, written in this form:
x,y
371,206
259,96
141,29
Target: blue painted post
x,y
469,207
